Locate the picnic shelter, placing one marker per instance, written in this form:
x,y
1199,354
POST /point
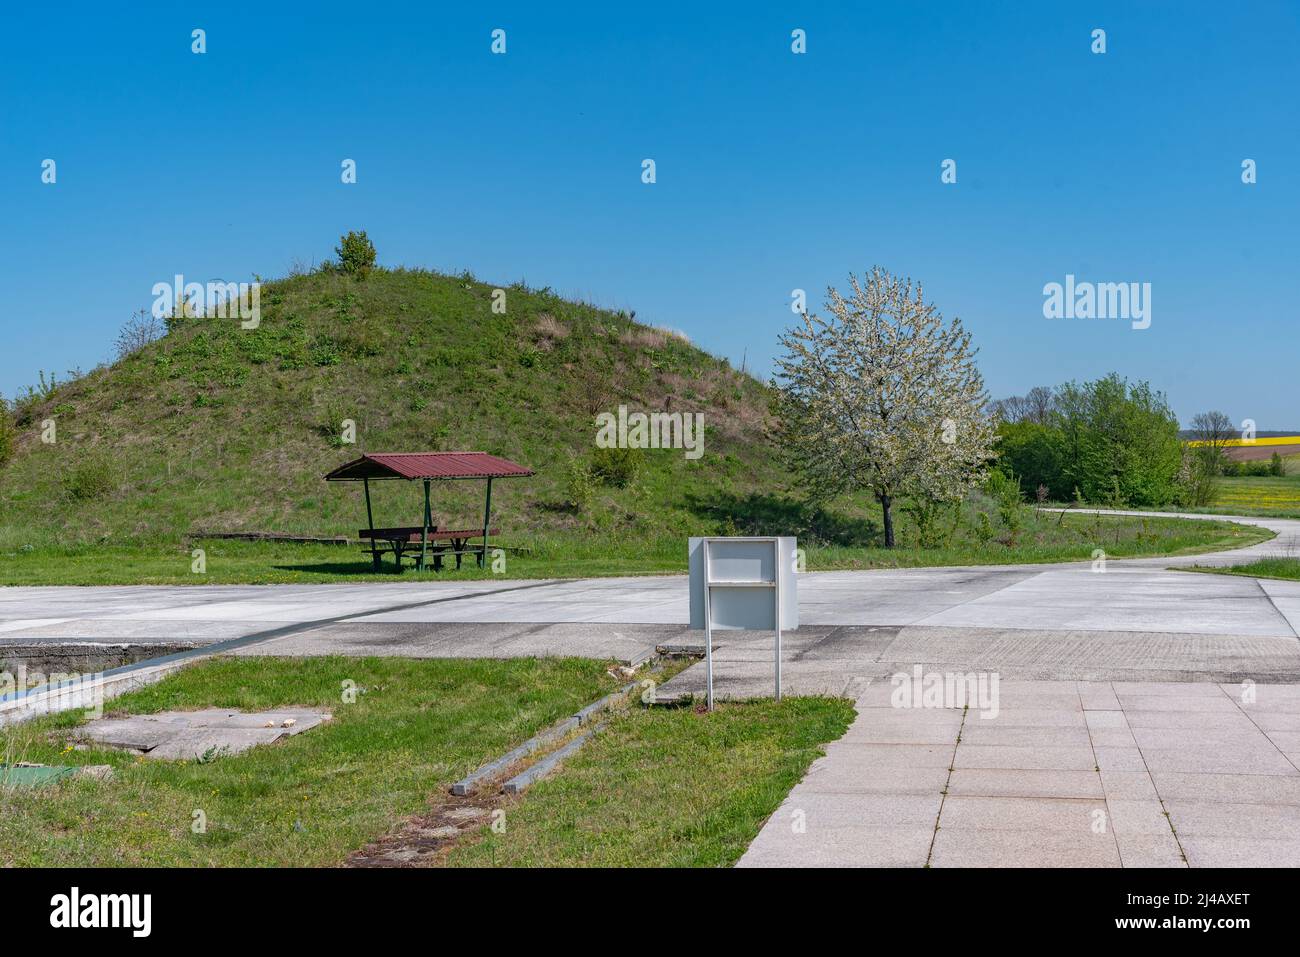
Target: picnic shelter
x,y
433,543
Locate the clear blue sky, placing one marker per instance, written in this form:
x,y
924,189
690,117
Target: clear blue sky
x,y
775,171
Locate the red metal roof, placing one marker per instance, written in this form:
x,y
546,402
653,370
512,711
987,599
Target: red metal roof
x,y
427,465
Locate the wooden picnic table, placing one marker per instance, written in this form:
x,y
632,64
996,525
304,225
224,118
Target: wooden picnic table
x,y
405,539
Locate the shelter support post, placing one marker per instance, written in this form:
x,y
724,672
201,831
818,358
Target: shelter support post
x,y
370,523
487,517
428,520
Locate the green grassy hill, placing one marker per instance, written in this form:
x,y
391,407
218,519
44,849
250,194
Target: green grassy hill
x,y
218,428
214,428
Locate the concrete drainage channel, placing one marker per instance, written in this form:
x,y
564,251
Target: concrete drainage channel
x,y
81,657
82,674
540,744
574,731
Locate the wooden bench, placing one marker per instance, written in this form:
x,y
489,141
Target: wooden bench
x,y
410,540
457,543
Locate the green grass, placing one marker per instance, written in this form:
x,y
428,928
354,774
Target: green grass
x,y
1277,567
665,788
308,800
1042,538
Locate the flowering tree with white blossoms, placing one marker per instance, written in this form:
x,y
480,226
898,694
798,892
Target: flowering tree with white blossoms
x,y
883,396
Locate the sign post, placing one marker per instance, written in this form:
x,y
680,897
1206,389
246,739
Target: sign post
x,y
743,584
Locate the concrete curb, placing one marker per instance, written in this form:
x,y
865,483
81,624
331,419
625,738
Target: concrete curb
x,y
542,768
643,656
684,649
558,730
605,704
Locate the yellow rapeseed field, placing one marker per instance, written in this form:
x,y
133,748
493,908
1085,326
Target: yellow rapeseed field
x,y
1253,443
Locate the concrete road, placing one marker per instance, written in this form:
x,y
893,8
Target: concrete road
x,y
1035,617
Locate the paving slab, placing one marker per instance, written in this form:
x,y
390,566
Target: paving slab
x,y
831,810
907,732
1128,785
1098,700
1261,694
1162,702
1025,758
1037,718
1109,758
137,733
1021,813
1171,689
998,782
976,733
832,778
1236,851
1261,759
1231,736
1112,738
1197,721
1271,789
969,847
1288,742
1282,706
1065,700
1151,851
1275,722
195,743
864,757
1247,821
1105,720
778,846
1138,818
189,735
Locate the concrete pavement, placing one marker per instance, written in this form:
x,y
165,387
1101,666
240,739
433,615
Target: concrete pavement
x,y
1081,774
1129,597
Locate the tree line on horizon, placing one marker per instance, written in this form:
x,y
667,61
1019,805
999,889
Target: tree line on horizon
x,y
1116,443
882,395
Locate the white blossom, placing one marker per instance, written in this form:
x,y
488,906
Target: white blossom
x,y
883,396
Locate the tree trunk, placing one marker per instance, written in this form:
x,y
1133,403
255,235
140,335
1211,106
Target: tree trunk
x,y
885,502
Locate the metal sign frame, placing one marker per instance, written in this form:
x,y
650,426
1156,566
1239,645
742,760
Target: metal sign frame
x,y
779,570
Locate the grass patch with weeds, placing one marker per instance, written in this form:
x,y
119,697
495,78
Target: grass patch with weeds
x,y
1277,495
1276,567
308,800
665,788
1042,537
